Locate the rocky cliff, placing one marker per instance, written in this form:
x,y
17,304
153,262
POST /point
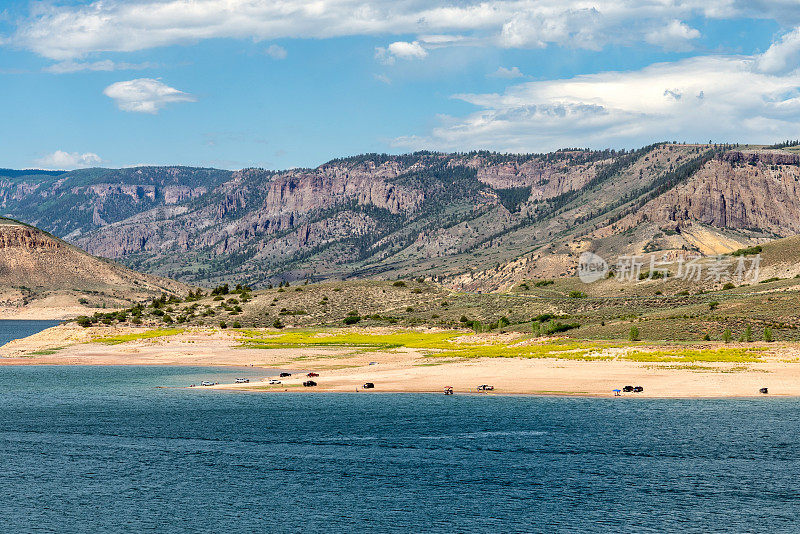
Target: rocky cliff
x,y
736,190
449,216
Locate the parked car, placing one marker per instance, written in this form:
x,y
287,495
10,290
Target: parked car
x,y
206,383
627,389
368,385
485,387
274,381
309,383
638,389
312,375
282,375
242,380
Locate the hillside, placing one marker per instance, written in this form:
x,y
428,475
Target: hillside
x,y
43,276
475,221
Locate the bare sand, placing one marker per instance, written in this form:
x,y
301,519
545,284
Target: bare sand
x,y
411,370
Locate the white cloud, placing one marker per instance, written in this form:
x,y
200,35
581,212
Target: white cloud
x,y
675,36
145,95
401,50
62,32
714,97
503,72
783,55
406,50
69,160
70,66
382,78
276,52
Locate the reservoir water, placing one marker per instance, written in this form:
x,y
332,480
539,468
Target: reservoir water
x,y
17,329
105,449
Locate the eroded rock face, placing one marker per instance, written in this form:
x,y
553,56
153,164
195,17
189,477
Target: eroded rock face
x,y
17,236
737,191
416,210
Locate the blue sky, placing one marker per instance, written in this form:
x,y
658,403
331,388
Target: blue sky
x,y
236,83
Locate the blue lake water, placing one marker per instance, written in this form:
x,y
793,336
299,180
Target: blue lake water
x,y
104,449
14,329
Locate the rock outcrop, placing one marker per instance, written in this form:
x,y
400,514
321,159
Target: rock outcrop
x,y
431,213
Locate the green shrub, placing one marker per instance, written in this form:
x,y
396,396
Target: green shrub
x,y
729,285
399,283
768,335
221,290
352,319
747,251
555,327
633,333
223,324
577,295
277,324
727,336
747,335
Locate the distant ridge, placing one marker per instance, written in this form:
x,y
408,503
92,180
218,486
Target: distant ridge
x,y
477,220
11,173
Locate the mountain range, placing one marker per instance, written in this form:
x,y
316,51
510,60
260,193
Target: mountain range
x,y
477,220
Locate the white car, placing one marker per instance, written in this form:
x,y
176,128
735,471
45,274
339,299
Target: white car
x,y
274,381
206,383
242,380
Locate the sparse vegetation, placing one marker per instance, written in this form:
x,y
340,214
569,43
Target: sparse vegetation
x,y
633,333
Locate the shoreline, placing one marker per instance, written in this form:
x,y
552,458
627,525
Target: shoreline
x,y
404,369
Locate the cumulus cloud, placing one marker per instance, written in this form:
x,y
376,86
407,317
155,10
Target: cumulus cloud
x,y
401,50
61,159
503,72
783,55
69,66
70,31
276,52
145,95
712,97
406,50
675,36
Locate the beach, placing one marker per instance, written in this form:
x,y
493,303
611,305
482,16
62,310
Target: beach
x,y
404,369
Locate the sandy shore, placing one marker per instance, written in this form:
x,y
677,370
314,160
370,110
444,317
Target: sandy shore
x,y
411,370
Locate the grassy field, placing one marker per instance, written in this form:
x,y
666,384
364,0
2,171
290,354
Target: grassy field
x,y
457,345
146,334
